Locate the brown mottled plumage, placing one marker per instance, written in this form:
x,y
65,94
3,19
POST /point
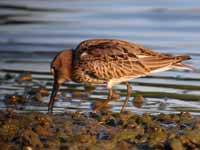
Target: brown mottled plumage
x,y
111,62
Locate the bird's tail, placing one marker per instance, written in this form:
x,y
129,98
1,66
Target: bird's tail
x,y
182,58
183,66
179,65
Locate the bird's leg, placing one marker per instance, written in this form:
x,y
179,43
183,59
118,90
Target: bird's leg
x,y
110,92
53,95
129,92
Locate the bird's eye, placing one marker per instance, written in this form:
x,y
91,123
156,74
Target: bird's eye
x,y
53,70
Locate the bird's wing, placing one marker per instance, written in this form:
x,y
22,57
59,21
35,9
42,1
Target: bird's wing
x,y
108,59
112,68
118,45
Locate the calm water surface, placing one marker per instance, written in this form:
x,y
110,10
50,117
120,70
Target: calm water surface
x,y
31,32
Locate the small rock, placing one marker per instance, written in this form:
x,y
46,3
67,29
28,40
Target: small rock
x,y
28,138
138,101
100,104
7,146
15,99
27,148
8,76
158,137
41,131
24,77
40,90
8,132
89,88
176,144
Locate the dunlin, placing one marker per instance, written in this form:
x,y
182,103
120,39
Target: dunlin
x,y
110,62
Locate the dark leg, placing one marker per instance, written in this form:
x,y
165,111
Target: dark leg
x,y
129,92
110,92
53,95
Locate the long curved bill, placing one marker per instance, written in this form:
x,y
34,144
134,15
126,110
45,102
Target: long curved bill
x,y
53,95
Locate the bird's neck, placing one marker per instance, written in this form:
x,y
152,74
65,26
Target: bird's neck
x,y
72,64
67,59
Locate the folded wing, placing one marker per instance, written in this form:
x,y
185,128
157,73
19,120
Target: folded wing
x,y
106,59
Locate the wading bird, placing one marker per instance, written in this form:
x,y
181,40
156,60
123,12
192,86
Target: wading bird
x,y
110,62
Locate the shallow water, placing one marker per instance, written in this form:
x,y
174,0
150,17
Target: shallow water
x,y
32,32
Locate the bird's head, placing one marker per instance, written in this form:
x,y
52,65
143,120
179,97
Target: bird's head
x,y
61,66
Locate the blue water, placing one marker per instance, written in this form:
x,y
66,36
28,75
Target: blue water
x,y
31,31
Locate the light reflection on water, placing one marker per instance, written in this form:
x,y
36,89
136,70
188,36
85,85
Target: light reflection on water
x,y
49,26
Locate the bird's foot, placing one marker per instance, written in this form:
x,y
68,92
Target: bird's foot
x,y
50,111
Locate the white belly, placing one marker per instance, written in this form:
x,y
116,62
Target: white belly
x,y
119,80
